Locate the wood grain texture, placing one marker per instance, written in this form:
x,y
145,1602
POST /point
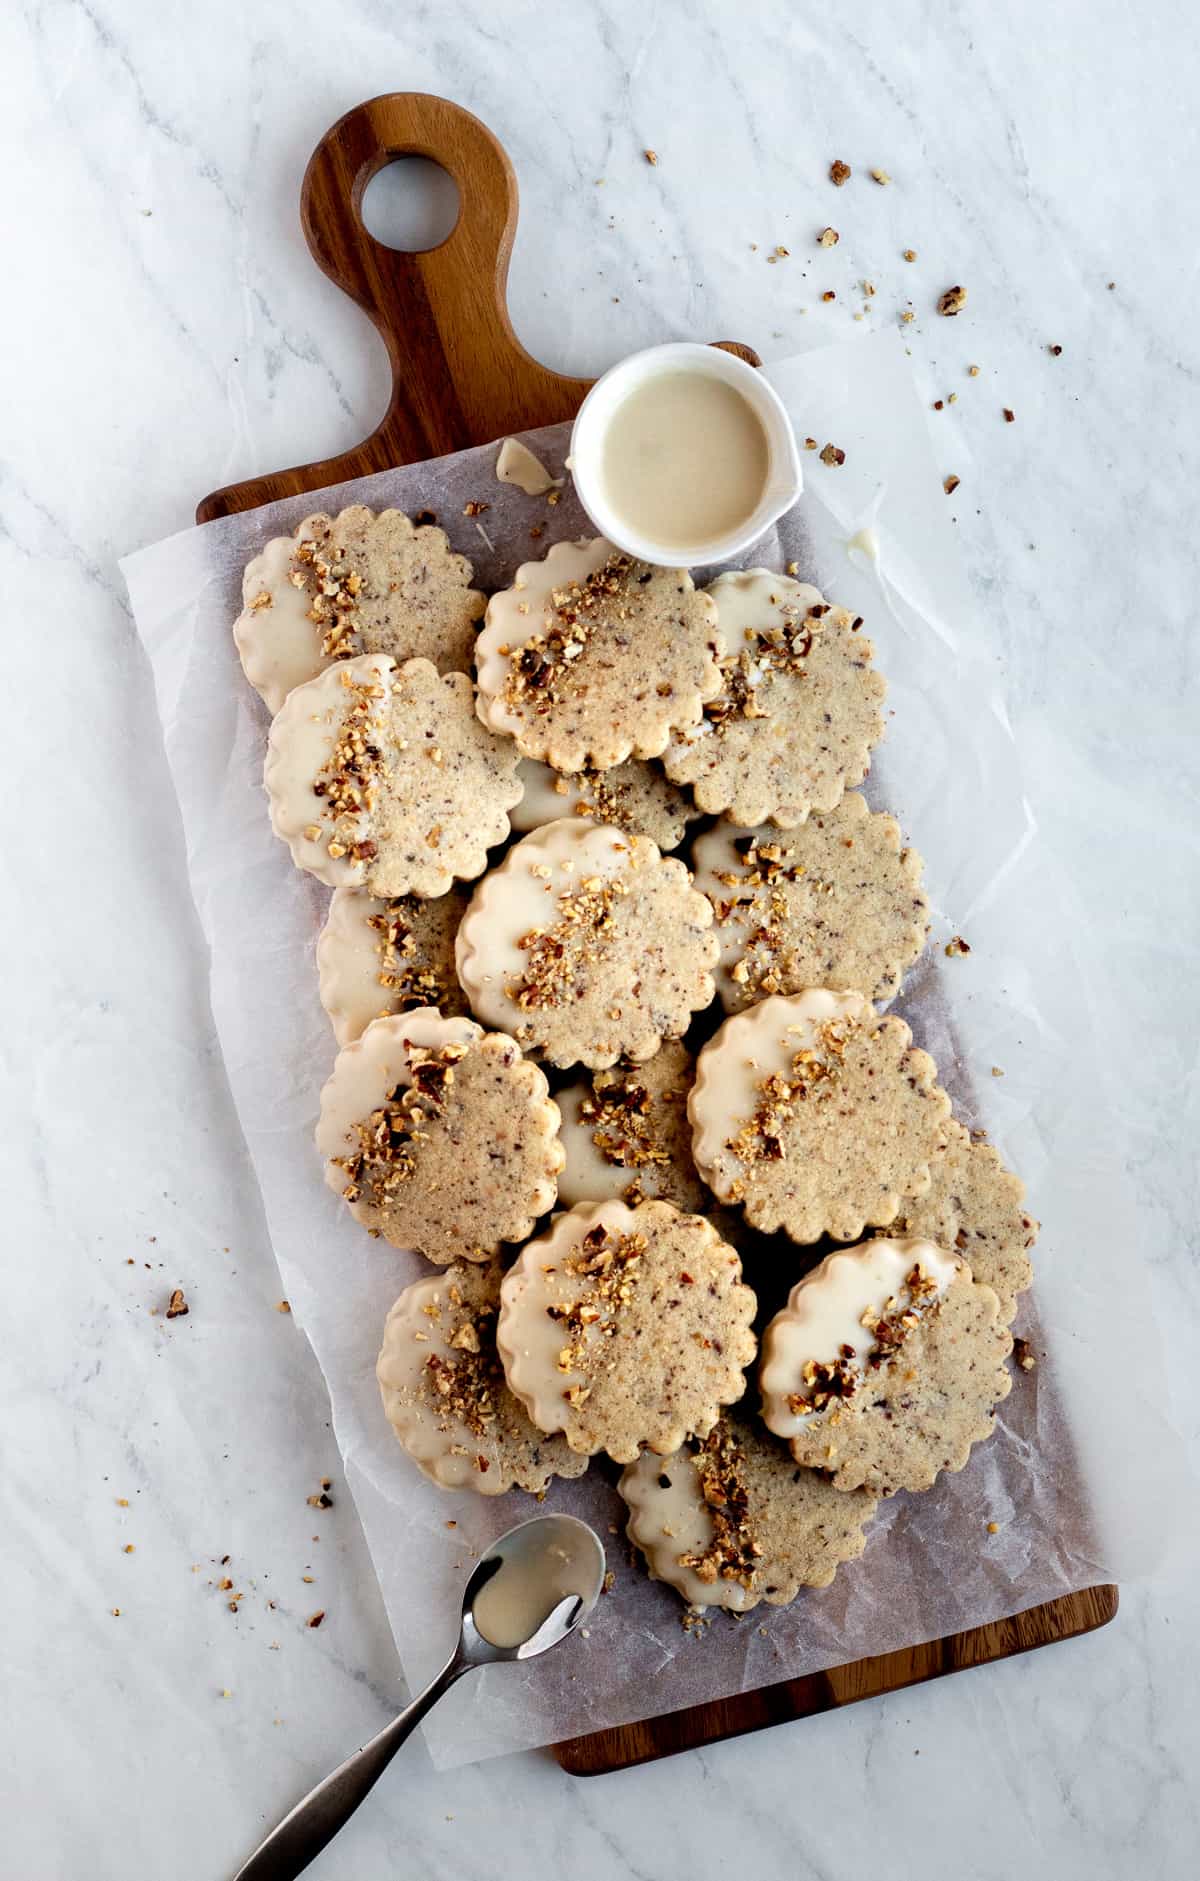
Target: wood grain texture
x,y
460,377
628,1744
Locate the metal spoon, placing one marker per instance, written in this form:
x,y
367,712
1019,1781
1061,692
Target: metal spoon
x,y
537,1583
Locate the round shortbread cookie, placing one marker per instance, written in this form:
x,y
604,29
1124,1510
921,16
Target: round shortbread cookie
x,y
976,1206
625,1134
732,1520
798,710
817,1115
440,1136
885,1366
444,1392
591,657
626,1326
351,584
379,957
635,796
836,902
380,776
587,944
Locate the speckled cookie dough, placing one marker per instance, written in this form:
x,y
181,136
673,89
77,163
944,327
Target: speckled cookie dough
x,y
444,1392
798,710
587,944
440,1136
355,583
381,777
626,1326
591,657
976,1206
836,902
378,957
731,1520
625,1134
886,1366
817,1115
635,796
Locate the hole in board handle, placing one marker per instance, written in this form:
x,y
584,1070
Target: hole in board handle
x,y
412,205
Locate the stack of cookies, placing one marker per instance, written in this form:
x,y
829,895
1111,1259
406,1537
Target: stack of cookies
x,y
595,1082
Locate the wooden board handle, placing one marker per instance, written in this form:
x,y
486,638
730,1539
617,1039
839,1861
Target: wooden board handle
x,y
460,376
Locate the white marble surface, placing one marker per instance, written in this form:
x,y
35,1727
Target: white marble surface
x,y
164,332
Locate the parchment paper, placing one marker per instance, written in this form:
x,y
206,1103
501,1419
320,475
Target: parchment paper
x,y
1079,1474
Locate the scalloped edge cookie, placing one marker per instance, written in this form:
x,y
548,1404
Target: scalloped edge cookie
x,y
376,958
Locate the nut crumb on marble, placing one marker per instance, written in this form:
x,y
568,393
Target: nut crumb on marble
x,y
952,301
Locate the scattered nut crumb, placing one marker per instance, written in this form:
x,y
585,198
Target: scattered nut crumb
x,y
868,288
993,1528
832,455
651,156
839,173
128,1548
956,946
950,484
880,176
283,1306
475,509
116,1612
952,399
810,444
996,1072
939,404
908,316
952,301
1023,1354
314,1619
828,238
122,1502
829,294
1009,415
177,1305
321,1501
792,568
910,254
973,372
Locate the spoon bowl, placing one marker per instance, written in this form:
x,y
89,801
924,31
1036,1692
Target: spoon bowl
x,y
529,1591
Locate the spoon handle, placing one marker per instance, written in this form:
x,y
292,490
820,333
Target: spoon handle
x,y
316,1819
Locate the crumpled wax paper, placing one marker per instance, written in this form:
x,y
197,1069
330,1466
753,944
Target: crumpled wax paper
x,y
1078,1474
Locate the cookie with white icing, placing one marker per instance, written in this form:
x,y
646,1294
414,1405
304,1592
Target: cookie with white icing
x,y
625,1327
625,1134
350,584
381,777
635,796
440,1136
798,710
836,902
816,1115
378,957
886,1366
732,1521
977,1207
591,657
587,944
444,1393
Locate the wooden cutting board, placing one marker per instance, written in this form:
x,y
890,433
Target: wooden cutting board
x,y
460,377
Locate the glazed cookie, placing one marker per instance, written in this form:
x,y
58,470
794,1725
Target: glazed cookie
x,y
885,1366
836,902
440,1136
587,944
634,796
591,657
380,776
378,957
818,1116
977,1206
355,583
798,709
444,1392
730,1520
625,1133
626,1326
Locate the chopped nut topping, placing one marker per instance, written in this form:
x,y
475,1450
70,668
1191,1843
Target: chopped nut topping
x,y
950,484
839,173
952,301
956,946
314,1619
622,1123
910,254
810,444
832,455
829,294
468,1387
651,156
813,1077
908,316
335,586
734,1551
554,954
346,784
610,1265
880,176
1056,350
177,1305
1009,415
1023,1353
888,1330
828,238
388,1138
409,983
539,665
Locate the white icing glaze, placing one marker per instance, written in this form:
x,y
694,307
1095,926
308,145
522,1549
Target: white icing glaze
x,y
519,613
756,1044
429,1436
756,598
684,460
348,963
517,464
866,541
587,1175
714,853
512,900
301,739
365,1072
825,1312
279,646
663,1493
548,795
